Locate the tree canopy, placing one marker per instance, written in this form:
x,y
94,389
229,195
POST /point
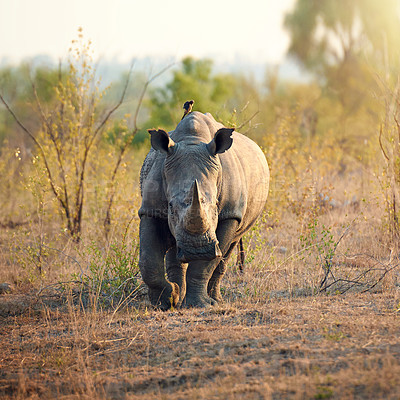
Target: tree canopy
x,y
342,42
332,32
193,80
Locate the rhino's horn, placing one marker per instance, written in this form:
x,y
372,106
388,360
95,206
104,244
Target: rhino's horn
x,y
196,218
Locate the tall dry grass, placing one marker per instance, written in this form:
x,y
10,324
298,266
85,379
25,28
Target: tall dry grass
x,y
313,315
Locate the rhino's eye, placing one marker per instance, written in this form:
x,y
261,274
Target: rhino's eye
x,y
178,204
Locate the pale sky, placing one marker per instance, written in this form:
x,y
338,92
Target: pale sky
x,y
126,29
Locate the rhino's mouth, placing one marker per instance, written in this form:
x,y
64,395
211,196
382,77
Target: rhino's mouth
x,y
207,254
197,247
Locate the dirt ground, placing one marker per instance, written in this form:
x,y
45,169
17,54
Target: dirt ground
x,y
315,347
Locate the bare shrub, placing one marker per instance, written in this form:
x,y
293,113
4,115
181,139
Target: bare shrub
x,y
389,141
70,140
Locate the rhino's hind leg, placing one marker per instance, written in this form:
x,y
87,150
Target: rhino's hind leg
x,y
176,272
154,240
214,284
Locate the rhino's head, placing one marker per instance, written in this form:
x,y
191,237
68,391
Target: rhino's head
x,y
192,173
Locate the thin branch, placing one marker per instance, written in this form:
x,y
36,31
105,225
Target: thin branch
x,y
65,255
79,195
381,145
89,145
329,262
56,146
133,132
115,108
49,174
19,122
248,121
380,279
398,126
149,81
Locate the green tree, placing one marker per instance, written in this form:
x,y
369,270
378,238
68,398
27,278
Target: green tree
x,y
16,85
69,132
78,149
334,38
194,80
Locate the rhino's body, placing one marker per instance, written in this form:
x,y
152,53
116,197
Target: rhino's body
x,y
230,188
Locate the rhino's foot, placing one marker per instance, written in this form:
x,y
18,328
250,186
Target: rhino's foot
x,y
216,295
200,301
165,298
214,291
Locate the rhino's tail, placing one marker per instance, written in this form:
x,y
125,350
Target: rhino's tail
x,y
240,255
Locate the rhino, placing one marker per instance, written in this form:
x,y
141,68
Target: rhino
x,y
203,187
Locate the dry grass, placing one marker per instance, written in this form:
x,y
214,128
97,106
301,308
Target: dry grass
x,y
274,337
304,347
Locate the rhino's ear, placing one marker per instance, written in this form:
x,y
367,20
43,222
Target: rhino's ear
x,y
222,141
161,141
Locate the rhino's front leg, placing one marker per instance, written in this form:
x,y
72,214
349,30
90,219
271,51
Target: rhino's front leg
x,y
214,284
155,239
200,273
226,233
176,272
197,277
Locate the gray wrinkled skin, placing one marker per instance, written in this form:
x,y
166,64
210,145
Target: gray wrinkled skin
x,y
202,188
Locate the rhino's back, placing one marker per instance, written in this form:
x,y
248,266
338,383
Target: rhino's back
x,y
245,181
196,127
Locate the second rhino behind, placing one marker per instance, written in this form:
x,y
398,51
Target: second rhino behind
x,y
203,187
